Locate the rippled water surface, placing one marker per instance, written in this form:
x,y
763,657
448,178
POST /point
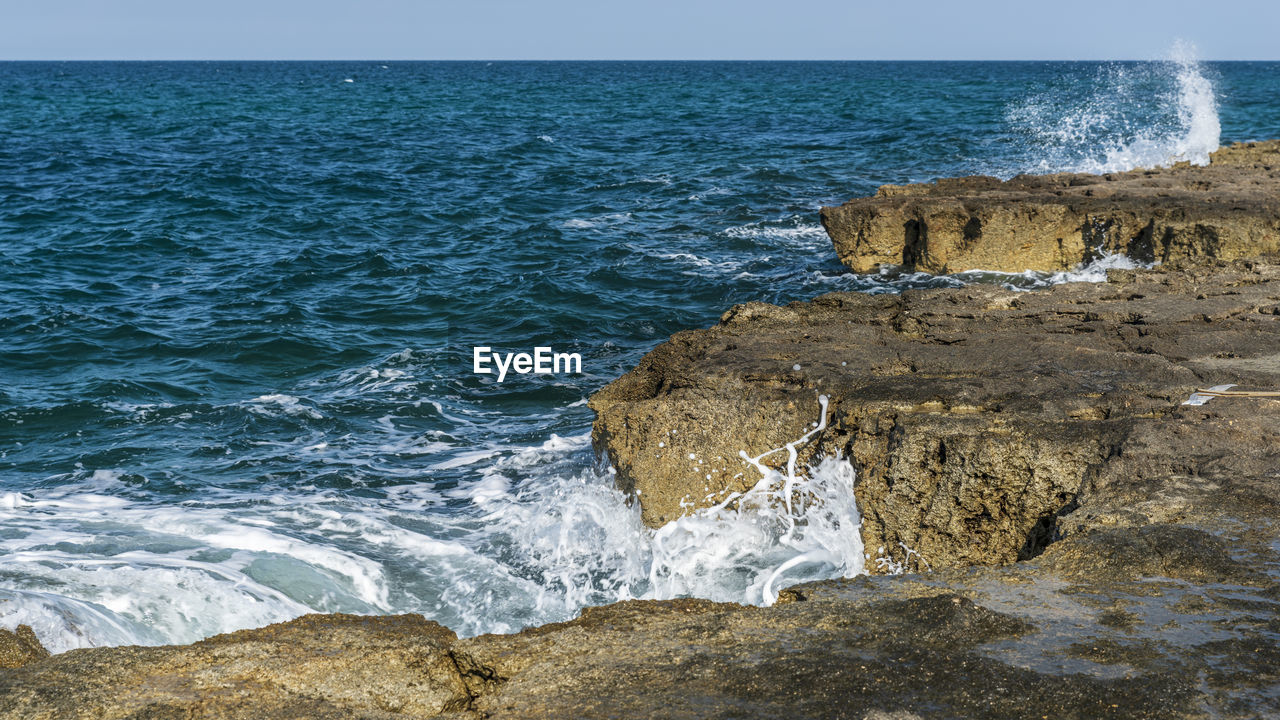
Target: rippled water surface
x,y
228,290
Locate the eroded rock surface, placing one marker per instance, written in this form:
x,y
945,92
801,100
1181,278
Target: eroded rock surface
x,y
318,666
1227,210
982,422
19,647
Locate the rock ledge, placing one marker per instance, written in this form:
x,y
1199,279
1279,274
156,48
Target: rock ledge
x,y
1227,210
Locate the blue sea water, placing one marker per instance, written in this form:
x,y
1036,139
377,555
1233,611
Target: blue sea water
x,y
237,302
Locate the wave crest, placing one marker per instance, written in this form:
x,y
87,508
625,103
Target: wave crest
x,y
1126,116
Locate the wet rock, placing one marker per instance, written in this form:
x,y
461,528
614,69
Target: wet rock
x,y
1227,210
20,647
982,423
850,655
1012,642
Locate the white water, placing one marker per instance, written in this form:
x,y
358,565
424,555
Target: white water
x,y
1128,116
538,538
1094,271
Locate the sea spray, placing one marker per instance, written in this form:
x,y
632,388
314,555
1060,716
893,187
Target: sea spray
x,y
790,524
545,536
1122,116
1197,108
1094,271
586,547
750,546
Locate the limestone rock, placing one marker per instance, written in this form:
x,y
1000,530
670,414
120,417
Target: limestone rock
x,y
1227,210
20,647
318,666
982,422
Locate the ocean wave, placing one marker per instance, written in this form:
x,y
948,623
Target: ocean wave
x,y
538,537
597,221
276,404
1129,116
794,232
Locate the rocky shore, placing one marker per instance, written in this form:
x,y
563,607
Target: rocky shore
x,y
982,422
1226,210
1079,541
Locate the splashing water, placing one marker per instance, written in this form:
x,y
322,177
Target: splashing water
x,y
1197,108
589,548
541,538
1094,271
794,525
1126,116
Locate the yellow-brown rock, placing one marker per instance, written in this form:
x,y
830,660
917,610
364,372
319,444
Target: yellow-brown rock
x,y
1227,210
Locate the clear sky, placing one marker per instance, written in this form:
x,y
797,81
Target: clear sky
x,y
636,29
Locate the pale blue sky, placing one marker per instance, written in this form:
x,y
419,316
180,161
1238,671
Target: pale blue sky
x,y
641,29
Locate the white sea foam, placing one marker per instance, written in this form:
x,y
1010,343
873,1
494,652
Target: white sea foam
x,y
805,234
1135,116
466,458
1094,271
789,527
699,262
793,525
540,536
99,569
140,411
710,192
277,404
598,221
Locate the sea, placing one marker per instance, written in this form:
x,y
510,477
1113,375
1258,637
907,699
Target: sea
x,y
239,301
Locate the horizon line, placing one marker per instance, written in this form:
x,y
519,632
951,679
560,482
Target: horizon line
x,y
612,60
